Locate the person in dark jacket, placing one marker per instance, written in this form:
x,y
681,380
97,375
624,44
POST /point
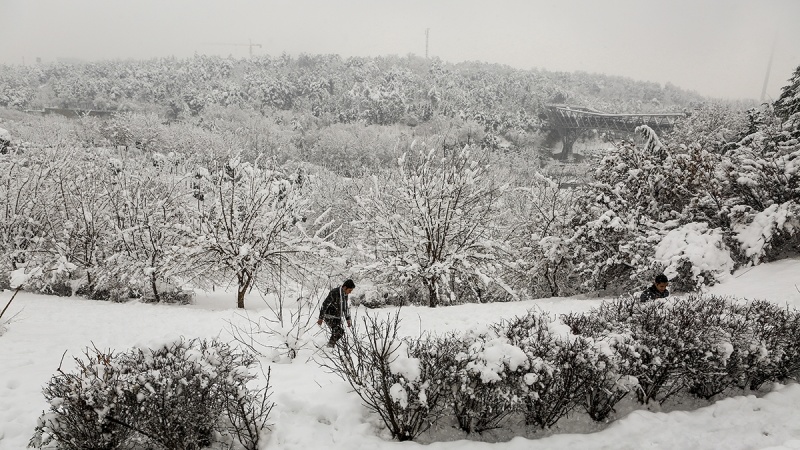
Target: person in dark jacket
x,y
657,290
335,308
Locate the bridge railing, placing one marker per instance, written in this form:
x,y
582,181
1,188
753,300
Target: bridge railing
x,y
565,117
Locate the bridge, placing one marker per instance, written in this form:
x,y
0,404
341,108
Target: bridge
x,y
569,121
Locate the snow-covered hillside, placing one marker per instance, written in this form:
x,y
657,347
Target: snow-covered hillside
x,y
316,410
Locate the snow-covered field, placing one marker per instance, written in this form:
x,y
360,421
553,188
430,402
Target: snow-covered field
x,y
315,410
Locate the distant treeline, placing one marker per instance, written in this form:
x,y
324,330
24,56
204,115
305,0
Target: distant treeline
x,y
373,90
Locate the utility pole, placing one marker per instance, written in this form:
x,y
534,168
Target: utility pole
x,y
427,32
769,68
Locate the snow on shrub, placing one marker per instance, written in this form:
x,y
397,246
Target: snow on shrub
x,y
400,380
764,234
485,382
544,369
671,338
777,349
700,344
608,374
694,255
553,384
747,345
182,395
86,409
717,369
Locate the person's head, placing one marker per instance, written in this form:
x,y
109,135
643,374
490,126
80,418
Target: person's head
x,y
661,282
348,286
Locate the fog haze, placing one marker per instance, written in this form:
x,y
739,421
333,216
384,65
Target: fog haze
x,y
719,48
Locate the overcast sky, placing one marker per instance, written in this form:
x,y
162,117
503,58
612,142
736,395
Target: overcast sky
x,y
719,48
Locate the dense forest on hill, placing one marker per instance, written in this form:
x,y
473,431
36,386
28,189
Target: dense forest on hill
x,y
376,90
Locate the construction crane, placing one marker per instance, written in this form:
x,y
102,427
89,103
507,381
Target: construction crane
x,y
250,44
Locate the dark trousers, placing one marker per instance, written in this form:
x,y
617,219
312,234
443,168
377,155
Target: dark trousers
x,y
336,330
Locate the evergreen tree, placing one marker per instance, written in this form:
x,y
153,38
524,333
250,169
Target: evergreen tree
x,y
788,103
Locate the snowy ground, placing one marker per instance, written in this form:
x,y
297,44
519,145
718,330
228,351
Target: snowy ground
x,y
316,410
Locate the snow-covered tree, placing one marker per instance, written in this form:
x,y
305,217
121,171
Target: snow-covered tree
x,y
542,212
713,126
433,222
619,215
250,219
77,224
151,244
788,104
22,181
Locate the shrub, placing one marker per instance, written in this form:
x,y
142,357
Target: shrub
x,y
86,410
484,382
666,346
116,293
775,330
401,380
554,383
729,343
178,297
184,395
607,370
387,295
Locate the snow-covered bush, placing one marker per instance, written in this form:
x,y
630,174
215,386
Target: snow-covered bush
x,y
400,380
713,126
657,203
604,319
22,221
754,342
769,234
608,373
77,214
727,345
485,380
620,214
150,242
352,150
700,344
693,255
672,338
86,410
762,172
776,349
553,383
663,346
788,104
184,395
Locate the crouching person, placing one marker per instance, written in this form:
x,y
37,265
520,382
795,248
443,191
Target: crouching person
x,y
334,308
657,290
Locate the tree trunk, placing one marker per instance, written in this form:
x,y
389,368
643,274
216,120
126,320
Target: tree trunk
x,y
153,286
433,299
244,285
